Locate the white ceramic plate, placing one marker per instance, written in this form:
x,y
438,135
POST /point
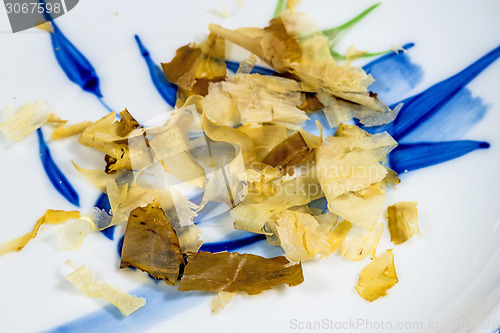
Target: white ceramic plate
x,y
448,278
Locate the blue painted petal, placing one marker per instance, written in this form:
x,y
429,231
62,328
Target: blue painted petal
x,y
103,203
56,177
395,75
369,67
320,203
167,90
163,303
231,245
206,213
77,68
109,233
453,121
419,108
233,67
413,156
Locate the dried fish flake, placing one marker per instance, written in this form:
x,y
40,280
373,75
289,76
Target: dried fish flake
x,y
403,221
377,277
83,279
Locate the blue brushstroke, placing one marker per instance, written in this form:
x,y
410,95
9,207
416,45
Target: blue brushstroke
x,y
394,74
232,245
233,67
310,125
107,106
163,302
119,246
197,199
413,156
207,212
320,203
103,203
56,177
167,90
452,121
421,107
74,64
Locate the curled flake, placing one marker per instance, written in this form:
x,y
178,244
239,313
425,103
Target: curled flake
x,y
99,178
338,234
264,137
84,280
53,217
290,153
350,172
195,66
361,207
233,272
151,244
360,242
224,133
70,236
220,301
260,180
298,191
102,136
61,131
19,122
403,222
180,213
377,277
371,113
173,150
136,196
228,181
299,236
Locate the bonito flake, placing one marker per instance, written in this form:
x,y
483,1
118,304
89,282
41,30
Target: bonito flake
x,y
349,167
233,272
84,280
403,221
377,277
195,66
264,99
151,244
53,217
264,137
360,242
299,236
61,131
19,122
251,216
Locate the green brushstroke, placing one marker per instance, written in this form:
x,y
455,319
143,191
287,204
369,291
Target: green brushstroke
x,y
338,56
335,34
279,7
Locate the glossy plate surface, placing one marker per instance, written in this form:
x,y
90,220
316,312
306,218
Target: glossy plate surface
x,y
448,279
